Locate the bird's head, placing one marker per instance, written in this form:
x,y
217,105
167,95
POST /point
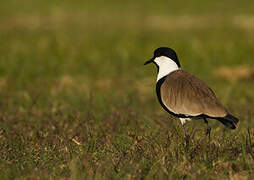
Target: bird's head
x,y
163,57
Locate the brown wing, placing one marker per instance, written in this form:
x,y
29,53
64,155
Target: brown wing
x,y
183,93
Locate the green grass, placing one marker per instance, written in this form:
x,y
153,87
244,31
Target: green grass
x,y
76,100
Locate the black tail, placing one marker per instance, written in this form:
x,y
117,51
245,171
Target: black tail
x,y
229,120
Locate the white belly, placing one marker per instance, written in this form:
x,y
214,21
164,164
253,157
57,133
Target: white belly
x,y
184,120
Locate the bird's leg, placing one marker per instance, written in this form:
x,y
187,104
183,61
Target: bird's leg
x,y
208,130
187,137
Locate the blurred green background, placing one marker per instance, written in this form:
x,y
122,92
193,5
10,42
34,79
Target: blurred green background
x,y
75,98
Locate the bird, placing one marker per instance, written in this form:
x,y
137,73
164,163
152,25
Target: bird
x,y
185,96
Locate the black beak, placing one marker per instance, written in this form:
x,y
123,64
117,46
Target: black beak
x,y
149,61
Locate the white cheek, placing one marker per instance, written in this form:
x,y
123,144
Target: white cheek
x,y
158,61
166,66
164,61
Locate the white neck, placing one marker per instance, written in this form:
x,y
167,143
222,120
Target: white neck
x,y
166,66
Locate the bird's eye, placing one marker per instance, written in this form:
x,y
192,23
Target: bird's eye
x,y
159,54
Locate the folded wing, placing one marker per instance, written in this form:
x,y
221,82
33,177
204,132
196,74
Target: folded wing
x,y
183,93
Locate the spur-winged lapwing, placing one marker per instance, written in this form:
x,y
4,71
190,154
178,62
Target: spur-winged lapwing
x,y
184,95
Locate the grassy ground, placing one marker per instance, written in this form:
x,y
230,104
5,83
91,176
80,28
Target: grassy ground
x,y
76,100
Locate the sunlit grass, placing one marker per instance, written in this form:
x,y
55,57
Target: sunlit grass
x,y
76,100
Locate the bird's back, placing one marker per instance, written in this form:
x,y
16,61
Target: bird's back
x,y
183,93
